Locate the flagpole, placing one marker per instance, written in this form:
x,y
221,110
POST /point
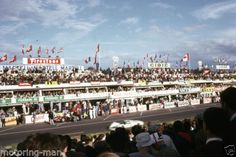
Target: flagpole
x,y
99,58
189,65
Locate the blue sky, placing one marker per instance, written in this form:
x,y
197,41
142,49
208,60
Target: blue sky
x,y
128,29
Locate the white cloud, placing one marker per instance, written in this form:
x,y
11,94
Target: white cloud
x,y
10,29
216,10
48,13
162,5
130,20
93,3
194,27
137,30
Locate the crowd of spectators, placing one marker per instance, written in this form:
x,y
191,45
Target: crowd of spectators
x,y
209,134
40,75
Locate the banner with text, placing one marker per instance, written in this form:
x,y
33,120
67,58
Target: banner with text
x,y
158,65
43,61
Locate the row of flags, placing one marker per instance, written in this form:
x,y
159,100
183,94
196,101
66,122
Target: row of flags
x,y
162,58
140,63
28,50
4,58
40,50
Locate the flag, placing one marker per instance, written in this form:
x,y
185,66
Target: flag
x,y
47,50
53,49
98,48
3,58
151,59
97,51
86,61
206,71
23,49
13,59
39,51
95,59
186,57
60,50
155,57
30,48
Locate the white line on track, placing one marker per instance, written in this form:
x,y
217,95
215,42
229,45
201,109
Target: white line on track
x,y
11,128
107,117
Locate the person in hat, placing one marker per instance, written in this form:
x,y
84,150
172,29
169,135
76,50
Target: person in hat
x,y
143,143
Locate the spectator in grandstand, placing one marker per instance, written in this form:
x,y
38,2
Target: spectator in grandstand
x,y
108,154
72,150
215,121
3,117
119,141
182,139
228,102
43,145
198,132
144,144
101,147
156,130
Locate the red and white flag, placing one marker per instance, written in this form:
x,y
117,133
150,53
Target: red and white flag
x,y
39,51
47,50
186,57
53,49
30,48
23,49
3,58
60,50
97,51
98,48
13,59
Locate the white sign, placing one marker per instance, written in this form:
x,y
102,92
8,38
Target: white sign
x,y
39,118
132,109
189,90
183,103
155,106
222,67
142,107
159,65
207,100
195,101
43,61
169,104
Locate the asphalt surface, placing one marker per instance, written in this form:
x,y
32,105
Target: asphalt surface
x,y
15,134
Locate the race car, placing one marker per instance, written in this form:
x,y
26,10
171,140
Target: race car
x,y
127,124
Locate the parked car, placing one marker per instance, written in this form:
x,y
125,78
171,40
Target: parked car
x,y
125,124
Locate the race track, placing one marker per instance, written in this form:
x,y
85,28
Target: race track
x,y
16,134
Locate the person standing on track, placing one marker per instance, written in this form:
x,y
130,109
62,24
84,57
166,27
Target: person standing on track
x,y
51,117
3,117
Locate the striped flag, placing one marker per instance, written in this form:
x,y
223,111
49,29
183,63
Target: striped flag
x,y
30,48
97,51
60,50
23,49
3,58
13,59
39,51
